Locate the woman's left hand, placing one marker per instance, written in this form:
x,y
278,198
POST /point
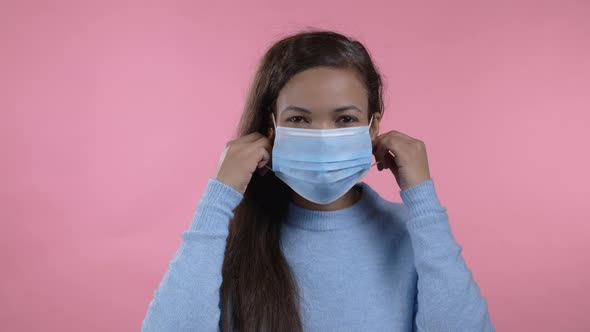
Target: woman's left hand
x,y
404,156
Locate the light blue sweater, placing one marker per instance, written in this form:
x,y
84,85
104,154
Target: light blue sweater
x,y
374,266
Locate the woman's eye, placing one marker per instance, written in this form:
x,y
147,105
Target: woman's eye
x,y
296,119
346,119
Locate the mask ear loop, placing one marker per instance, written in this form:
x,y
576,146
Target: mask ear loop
x,y
275,125
274,122
371,122
388,151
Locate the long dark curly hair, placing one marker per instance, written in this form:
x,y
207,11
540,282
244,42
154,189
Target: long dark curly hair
x,y
259,291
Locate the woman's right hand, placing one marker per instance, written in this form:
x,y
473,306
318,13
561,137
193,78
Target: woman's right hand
x,y
241,158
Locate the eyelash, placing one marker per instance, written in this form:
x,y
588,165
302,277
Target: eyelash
x,y
352,119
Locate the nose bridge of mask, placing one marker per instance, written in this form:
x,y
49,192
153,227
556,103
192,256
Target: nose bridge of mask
x,y
315,132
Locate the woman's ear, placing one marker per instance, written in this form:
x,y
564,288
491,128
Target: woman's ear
x,y
374,130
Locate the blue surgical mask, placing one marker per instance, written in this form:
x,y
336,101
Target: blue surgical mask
x,y
321,165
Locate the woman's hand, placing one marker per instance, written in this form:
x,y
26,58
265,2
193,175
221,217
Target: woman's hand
x,y
241,158
404,156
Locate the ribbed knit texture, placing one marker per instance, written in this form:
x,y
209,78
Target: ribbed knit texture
x,y
376,265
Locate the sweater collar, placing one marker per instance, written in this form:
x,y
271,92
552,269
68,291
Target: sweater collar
x,y
317,220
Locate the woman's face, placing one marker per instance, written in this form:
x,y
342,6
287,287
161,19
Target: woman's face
x,y
324,98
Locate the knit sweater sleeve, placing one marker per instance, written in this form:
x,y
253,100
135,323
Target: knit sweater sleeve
x,y
448,297
187,297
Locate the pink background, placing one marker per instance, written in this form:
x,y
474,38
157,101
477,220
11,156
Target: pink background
x,y
114,114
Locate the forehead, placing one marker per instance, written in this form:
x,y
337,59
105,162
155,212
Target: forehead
x,y
324,88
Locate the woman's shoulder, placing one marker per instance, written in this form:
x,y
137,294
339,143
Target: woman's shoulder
x,y
417,202
385,212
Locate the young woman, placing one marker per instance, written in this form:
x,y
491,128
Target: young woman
x,y
287,238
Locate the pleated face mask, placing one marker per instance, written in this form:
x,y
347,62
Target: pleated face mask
x,y
321,165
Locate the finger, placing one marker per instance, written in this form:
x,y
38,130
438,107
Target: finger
x,y
262,157
404,136
262,167
262,141
400,134
378,156
376,141
381,149
252,137
376,146
390,160
380,144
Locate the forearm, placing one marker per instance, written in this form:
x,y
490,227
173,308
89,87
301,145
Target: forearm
x,y
448,298
188,294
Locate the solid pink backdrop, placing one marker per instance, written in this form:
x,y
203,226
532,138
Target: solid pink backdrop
x,y
114,115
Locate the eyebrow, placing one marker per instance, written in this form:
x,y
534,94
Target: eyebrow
x,y
337,110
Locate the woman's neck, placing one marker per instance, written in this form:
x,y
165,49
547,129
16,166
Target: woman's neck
x,y
348,199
